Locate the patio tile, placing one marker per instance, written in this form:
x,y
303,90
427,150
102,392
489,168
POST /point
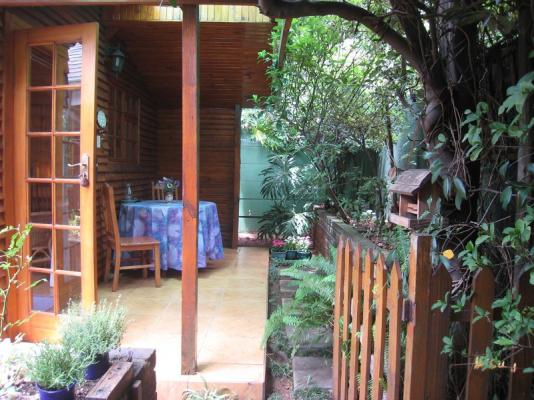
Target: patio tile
x,y
232,311
231,350
248,327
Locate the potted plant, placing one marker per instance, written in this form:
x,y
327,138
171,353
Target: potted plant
x,y
303,248
278,251
94,332
56,369
291,248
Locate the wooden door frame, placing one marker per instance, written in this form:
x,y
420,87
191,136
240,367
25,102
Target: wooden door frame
x,y
15,139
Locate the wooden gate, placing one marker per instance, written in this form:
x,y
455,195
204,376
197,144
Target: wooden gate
x,y
374,313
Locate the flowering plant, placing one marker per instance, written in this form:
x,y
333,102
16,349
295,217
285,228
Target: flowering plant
x,y
291,243
278,245
303,243
368,216
169,184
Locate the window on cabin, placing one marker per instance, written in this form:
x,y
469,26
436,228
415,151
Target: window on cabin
x,y
124,125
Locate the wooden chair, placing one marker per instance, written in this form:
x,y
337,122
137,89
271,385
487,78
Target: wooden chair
x,y
113,241
159,194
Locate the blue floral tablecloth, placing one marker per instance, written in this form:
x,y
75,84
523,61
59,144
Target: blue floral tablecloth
x,y
162,220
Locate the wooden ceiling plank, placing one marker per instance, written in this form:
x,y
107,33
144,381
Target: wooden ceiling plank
x,y
25,3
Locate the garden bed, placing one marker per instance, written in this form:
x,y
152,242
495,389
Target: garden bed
x,y
285,375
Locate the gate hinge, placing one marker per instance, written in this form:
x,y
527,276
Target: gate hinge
x,y
408,311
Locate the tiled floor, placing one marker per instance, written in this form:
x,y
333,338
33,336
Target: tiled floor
x,y
232,310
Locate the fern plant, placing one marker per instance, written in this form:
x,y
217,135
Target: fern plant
x,y
312,306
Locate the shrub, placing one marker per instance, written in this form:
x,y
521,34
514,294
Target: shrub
x,y
56,367
95,331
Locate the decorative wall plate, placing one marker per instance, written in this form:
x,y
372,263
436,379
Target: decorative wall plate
x,y
101,119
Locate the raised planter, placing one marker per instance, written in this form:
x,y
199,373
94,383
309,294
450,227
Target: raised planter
x,y
329,228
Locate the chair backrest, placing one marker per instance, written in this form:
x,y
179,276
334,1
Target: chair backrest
x,y
159,194
110,216
157,191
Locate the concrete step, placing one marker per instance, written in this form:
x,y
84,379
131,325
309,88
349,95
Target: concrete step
x,y
312,372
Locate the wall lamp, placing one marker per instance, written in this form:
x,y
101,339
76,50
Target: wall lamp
x,y
117,58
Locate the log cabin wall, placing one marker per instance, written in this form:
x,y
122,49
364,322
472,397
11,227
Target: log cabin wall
x,y
137,171
217,158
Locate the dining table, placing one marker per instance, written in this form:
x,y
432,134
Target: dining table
x,y
162,220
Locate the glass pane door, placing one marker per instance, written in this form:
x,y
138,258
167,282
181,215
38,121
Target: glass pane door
x,y
54,130
53,138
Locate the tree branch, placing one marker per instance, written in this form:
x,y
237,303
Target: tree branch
x,y
351,12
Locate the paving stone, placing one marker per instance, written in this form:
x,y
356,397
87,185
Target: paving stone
x,y
313,372
287,288
314,339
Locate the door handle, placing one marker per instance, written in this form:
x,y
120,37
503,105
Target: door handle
x,y
84,169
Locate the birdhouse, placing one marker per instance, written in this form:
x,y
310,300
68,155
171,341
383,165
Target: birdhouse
x,y
415,195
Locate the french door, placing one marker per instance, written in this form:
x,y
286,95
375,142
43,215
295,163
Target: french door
x,y
54,176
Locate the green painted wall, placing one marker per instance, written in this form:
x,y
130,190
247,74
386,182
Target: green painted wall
x,y
254,158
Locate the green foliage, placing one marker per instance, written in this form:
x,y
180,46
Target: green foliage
x,y
95,331
329,109
291,186
12,265
312,306
280,369
312,394
55,367
275,396
273,222
502,240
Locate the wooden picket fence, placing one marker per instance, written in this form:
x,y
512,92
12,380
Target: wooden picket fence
x,y
373,313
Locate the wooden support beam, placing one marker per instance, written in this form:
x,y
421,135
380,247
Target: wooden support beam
x,y
283,42
190,162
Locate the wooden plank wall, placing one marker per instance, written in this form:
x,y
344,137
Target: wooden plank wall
x,y
116,173
217,158
160,131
